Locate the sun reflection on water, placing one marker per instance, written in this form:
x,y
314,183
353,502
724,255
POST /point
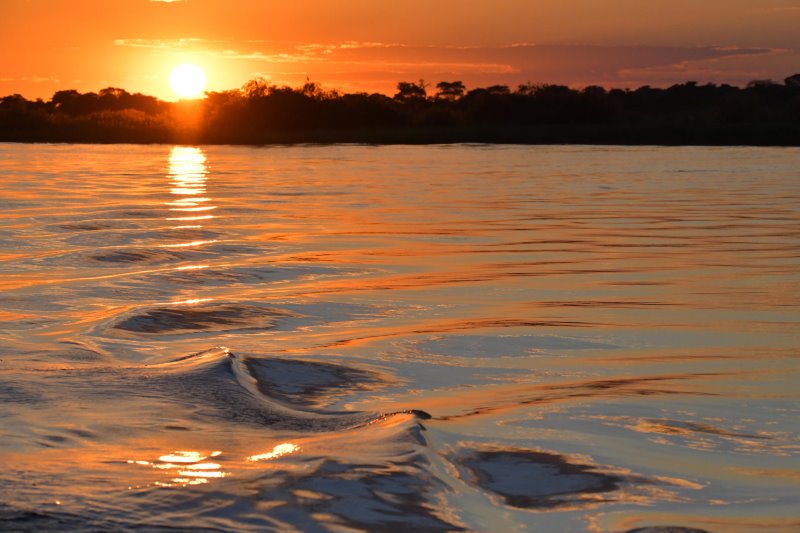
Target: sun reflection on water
x,y
188,163
192,267
189,244
188,173
186,457
193,209
192,301
201,217
279,450
186,467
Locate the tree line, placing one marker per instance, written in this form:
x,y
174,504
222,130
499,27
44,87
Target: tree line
x,y
762,113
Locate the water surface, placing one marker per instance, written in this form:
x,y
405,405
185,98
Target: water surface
x,y
444,338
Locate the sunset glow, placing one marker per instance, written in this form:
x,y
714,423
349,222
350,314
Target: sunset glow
x,y
356,45
187,81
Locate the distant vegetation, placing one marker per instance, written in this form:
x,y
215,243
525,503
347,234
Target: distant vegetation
x,y
763,113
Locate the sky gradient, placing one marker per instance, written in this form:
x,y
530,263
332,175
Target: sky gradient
x,y
368,45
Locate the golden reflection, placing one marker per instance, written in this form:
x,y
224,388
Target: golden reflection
x,y
187,190
204,466
194,209
204,474
201,217
192,267
182,457
192,301
188,244
188,165
188,174
187,201
186,467
277,451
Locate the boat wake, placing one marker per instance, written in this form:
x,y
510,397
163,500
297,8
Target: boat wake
x,y
241,390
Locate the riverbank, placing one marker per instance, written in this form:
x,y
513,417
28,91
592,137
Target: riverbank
x,y
761,114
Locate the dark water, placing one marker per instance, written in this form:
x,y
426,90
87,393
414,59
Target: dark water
x,y
352,338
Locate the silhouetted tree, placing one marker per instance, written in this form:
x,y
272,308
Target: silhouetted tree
x,y
15,103
257,87
596,91
408,91
793,81
498,90
760,83
450,90
527,89
763,112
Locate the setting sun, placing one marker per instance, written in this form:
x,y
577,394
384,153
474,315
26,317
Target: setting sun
x,y
187,81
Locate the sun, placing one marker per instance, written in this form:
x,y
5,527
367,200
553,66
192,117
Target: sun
x,y
188,81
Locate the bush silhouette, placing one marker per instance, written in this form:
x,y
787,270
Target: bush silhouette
x,y
763,112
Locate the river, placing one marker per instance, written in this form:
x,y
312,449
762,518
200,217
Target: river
x,y
364,338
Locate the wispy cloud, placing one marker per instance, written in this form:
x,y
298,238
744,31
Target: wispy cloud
x,y
514,63
246,56
372,65
32,79
40,79
160,44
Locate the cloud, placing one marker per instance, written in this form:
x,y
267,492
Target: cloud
x,y
511,64
378,66
160,44
246,56
33,79
773,64
542,62
41,79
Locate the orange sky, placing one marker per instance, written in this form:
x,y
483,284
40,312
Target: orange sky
x,y
370,45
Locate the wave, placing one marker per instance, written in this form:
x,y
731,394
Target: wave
x,y
316,468
202,317
220,317
228,386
